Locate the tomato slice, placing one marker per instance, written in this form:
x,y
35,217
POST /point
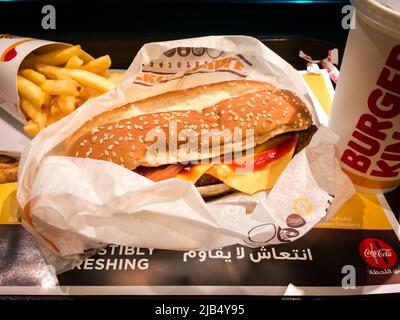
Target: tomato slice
x,y
265,154
260,160
160,173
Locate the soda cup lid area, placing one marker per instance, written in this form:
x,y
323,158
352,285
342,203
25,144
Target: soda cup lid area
x,y
384,14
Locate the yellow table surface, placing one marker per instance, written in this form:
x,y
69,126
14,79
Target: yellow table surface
x,y
8,203
362,211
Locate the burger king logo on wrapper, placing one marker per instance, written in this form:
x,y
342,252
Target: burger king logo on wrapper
x,y
377,254
186,61
11,52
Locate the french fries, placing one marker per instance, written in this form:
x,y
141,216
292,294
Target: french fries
x,y
74,62
99,65
65,87
31,128
66,104
33,76
115,77
87,93
54,58
86,78
91,80
51,72
29,109
31,92
52,85
38,118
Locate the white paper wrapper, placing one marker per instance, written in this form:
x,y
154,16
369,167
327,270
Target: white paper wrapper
x,y
82,204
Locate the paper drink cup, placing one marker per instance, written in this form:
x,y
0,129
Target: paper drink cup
x,y
366,106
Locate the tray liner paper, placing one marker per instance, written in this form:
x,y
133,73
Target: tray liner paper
x,y
75,206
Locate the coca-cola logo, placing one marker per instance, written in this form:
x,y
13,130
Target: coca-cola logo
x,y
377,254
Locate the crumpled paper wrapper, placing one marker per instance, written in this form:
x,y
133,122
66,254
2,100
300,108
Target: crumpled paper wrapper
x,y
74,206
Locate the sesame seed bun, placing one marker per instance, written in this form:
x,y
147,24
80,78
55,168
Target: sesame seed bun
x,y
120,135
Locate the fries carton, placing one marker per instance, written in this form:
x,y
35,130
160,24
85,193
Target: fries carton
x,y
13,50
75,206
42,80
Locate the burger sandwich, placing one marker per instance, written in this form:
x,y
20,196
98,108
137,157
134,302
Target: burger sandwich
x,y
223,137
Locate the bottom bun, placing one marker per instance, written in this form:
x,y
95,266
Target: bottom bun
x,y
215,190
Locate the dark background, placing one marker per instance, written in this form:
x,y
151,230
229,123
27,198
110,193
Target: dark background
x,y
120,28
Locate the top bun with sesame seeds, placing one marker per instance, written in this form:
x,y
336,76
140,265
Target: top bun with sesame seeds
x,y
126,134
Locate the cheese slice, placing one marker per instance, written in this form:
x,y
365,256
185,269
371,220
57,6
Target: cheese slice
x,y
248,182
254,181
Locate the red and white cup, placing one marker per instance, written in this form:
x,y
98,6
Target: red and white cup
x,y
366,106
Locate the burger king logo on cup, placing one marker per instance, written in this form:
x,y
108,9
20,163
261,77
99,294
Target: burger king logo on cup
x,y
377,254
366,106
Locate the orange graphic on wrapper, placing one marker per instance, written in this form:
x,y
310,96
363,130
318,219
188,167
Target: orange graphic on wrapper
x,y
11,52
228,64
303,206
